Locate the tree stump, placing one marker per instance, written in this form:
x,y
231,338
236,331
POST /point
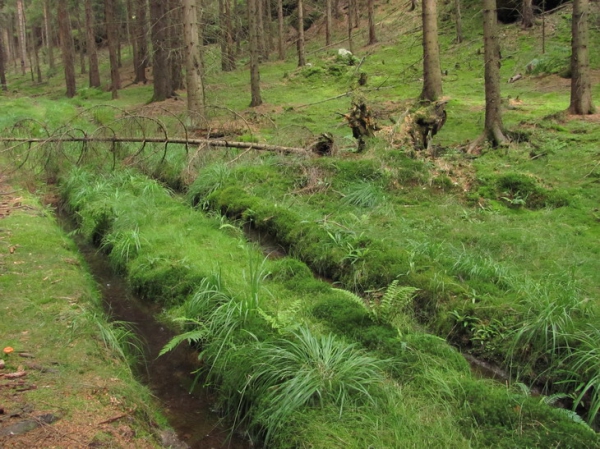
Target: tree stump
x,y
324,146
426,122
361,122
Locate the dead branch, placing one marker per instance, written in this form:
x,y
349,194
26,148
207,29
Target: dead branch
x,y
172,140
114,418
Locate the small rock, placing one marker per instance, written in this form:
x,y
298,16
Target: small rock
x,y
28,425
171,440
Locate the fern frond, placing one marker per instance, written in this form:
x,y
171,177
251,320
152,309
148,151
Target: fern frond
x,y
191,337
353,297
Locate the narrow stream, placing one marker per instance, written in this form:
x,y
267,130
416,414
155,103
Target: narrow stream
x,y
170,376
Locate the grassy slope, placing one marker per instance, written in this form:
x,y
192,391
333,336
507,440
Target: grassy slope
x,y
51,310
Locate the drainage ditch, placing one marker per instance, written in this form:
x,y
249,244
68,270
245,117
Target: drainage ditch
x,y
170,376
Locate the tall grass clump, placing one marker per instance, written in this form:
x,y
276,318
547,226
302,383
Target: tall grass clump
x,y
309,370
552,308
363,194
581,367
220,319
209,180
118,338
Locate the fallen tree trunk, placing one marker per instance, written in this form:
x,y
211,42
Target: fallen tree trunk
x,y
177,141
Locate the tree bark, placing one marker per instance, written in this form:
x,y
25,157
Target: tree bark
x,y
300,41
223,37
226,37
176,57
193,73
581,87
280,39
527,14
160,66
49,34
3,84
349,23
131,25
260,22
66,44
432,72
140,29
21,36
254,55
112,37
269,25
94,72
327,23
356,10
371,13
82,40
494,129
36,56
229,36
12,54
458,21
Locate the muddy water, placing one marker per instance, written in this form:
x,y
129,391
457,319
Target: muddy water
x,y
170,376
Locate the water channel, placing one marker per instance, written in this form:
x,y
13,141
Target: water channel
x,y
170,376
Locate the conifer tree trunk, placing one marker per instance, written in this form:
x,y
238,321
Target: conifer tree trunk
x,y
300,41
226,37
49,34
3,84
112,37
193,73
254,55
280,37
223,37
371,13
175,45
160,66
11,42
432,72
131,25
21,36
262,44
526,14
494,129
581,87
229,36
94,73
270,29
349,23
327,23
66,44
356,11
458,21
36,56
82,38
140,28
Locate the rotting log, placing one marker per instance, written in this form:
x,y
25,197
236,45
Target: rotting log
x,y
175,141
